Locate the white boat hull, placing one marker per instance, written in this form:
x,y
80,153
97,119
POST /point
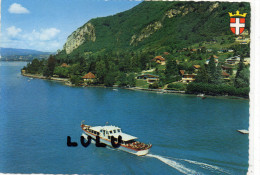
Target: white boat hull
x,y
121,147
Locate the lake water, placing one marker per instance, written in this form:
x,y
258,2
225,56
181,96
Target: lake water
x,y
189,135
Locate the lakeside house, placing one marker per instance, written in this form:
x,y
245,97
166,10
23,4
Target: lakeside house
x,y
150,78
159,60
187,78
89,77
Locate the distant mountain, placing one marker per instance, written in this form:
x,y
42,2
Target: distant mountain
x,y
21,52
12,54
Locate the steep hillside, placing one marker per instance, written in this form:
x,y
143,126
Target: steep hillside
x,y
154,26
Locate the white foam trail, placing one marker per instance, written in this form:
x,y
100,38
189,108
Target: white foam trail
x,y
181,168
206,166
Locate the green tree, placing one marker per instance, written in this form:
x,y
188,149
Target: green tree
x,y
202,76
242,75
62,72
131,80
76,79
122,79
101,71
172,71
49,68
109,79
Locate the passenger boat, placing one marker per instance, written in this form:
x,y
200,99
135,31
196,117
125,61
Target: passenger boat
x,y
129,143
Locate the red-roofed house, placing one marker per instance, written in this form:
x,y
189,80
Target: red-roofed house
x,y
89,77
182,72
159,60
64,65
225,75
187,78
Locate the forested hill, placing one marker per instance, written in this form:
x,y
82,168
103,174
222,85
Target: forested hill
x,y
154,26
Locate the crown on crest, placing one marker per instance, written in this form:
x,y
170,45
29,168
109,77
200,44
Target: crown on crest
x,y
237,14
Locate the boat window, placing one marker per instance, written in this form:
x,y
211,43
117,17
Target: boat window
x,y
106,132
94,132
108,137
118,130
110,132
114,131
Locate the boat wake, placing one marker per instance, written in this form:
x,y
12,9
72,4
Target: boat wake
x,y
206,166
185,170
179,167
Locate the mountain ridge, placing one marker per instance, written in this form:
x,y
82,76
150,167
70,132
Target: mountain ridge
x,y
20,52
154,25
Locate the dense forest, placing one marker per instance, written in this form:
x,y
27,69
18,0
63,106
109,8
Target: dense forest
x,y
183,33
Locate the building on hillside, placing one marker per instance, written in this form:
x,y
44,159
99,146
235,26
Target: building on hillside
x,y
227,69
215,59
166,53
89,77
149,78
196,67
187,78
159,60
64,65
233,60
246,61
225,75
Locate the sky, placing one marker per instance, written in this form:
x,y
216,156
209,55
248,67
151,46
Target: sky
x,y
44,25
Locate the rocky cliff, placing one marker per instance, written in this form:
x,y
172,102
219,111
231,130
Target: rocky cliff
x,y
78,37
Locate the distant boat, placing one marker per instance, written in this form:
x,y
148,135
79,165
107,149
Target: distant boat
x,y
202,96
243,131
105,133
115,89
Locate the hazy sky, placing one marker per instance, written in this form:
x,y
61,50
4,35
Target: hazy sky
x,y
45,24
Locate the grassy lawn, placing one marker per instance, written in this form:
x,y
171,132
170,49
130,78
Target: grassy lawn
x,y
142,84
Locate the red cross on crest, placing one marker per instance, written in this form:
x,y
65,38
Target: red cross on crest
x,y
237,25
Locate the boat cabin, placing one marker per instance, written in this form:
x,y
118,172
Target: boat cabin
x,y
108,131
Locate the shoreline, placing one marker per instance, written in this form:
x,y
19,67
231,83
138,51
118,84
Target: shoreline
x,y
161,91
46,78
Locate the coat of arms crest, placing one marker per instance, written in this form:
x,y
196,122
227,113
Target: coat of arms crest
x,y
237,22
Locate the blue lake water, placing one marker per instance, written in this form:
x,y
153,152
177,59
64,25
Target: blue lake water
x,y
189,135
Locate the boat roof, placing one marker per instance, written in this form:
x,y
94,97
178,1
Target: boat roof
x,y
107,128
125,137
